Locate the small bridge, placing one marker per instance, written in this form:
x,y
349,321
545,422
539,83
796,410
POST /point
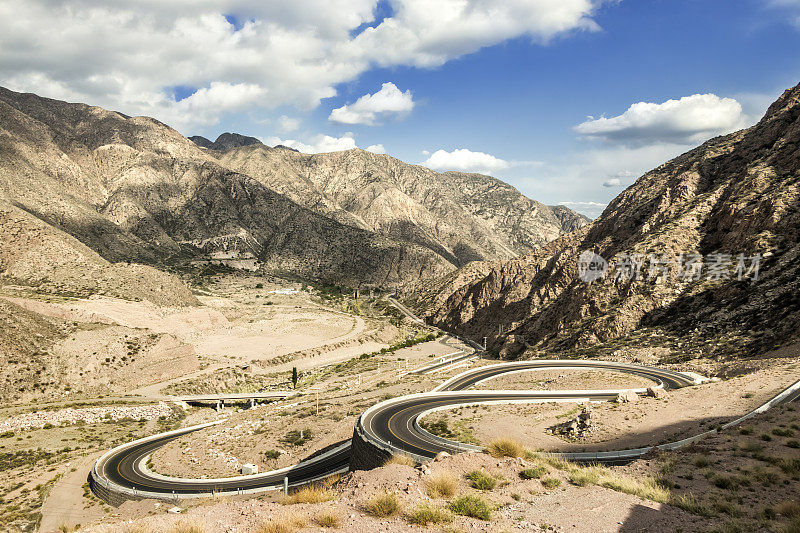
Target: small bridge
x,y
243,397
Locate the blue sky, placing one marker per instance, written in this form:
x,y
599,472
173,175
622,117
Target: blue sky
x,y
504,88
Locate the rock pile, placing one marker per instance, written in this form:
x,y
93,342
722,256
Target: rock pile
x,y
87,415
574,428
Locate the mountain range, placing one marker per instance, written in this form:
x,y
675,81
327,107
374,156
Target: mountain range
x,y
731,205
116,190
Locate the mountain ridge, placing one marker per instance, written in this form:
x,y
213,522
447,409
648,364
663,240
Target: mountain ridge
x,y
734,194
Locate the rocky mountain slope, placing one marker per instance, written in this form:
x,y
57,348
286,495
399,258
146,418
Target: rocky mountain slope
x,y
461,217
737,194
135,190
225,141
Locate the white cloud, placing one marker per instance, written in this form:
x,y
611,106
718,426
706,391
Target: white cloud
x,y
465,160
791,6
428,34
590,209
318,144
129,56
612,182
690,120
370,107
376,149
287,124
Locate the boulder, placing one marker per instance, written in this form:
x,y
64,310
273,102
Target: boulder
x,y
627,396
440,456
656,392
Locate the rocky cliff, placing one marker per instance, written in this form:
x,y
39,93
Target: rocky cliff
x,y
461,217
135,190
722,205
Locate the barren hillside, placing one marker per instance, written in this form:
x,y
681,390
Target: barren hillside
x,y
461,217
737,194
133,189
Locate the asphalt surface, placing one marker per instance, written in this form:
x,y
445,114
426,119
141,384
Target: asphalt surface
x,y
393,422
124,469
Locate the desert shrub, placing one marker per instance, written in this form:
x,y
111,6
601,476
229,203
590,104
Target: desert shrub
x,y
793,443
400,459
766,437
297,437
473,506
427,514
442,484
383,505
789,509
702,462
584,477
725,482
690,504
745,430
551,482
793,526
188,526
534,472
481,480
286,524
783,432
505,447
789,466
310,494
645,487
328,518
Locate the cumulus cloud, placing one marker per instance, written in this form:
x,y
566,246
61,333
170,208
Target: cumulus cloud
x,y
318,144
129,56
428,34
376,149
370,107
465,160
287,124
612,182
690,120
590,209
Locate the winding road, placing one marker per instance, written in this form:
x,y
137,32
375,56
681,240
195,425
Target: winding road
x,y
392,426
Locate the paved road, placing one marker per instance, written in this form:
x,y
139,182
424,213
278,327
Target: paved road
x,y
393,422
125,468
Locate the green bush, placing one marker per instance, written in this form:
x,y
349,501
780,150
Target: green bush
x,y
473,506
534,472
481,481
551,483
426,514
384,505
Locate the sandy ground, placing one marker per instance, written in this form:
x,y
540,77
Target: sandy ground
x,y
519,504
649,421
66,505
253,435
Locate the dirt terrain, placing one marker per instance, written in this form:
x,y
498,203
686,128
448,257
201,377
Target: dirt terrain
x,y
696,490
679,414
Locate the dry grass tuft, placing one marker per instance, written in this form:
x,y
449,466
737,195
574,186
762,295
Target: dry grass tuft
x,y
328,518
426,514
505,447
789,509
189,525
400,459
442,484
316,493
288,523
383,505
